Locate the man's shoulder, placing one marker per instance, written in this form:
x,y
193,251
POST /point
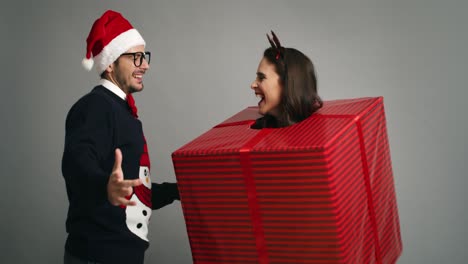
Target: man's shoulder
x,y
97,100
98,96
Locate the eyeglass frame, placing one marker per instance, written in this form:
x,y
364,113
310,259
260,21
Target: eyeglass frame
x,y
143,55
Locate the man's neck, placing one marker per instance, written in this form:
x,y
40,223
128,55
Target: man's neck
x,y
113,88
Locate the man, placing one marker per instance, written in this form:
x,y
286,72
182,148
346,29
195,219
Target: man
x,y
105,161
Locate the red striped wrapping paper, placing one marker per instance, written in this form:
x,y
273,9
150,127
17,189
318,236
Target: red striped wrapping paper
x,y
320,191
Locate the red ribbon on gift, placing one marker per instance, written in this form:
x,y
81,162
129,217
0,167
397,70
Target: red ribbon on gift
x,y
238,123
370,200
252,194
251,188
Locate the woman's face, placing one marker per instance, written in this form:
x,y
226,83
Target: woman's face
x,y
267,88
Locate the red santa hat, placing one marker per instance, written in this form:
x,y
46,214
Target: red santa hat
x,y
110,36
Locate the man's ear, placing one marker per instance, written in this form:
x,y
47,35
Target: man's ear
x,y
110,68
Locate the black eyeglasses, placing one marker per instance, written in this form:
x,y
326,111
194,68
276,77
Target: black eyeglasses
x,y
139,56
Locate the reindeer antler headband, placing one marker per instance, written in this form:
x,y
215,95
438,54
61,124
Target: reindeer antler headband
x,y
275,43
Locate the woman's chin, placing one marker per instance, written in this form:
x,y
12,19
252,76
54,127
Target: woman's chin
x,y
262,111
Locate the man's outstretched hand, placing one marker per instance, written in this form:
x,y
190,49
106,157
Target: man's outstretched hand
x,y
118,188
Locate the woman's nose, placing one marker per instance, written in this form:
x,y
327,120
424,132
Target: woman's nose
x,y
253,85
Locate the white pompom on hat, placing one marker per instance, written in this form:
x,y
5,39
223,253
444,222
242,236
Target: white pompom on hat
x,y
110,36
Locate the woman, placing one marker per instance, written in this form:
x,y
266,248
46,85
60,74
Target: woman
x,y
287,86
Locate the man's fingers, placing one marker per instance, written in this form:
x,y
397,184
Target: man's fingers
x,y
131,183
118,160
127,191
126,202
117,187
116,177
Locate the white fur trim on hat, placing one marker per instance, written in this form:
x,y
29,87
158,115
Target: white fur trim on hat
x,y
116,47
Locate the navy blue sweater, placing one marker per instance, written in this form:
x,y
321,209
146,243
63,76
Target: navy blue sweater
x,y
96,125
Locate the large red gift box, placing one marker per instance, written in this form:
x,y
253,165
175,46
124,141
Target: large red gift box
x,y
320,191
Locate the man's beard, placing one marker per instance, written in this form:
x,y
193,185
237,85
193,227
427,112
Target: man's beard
x,y
134,90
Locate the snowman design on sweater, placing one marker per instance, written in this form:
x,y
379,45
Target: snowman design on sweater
x,y
138,216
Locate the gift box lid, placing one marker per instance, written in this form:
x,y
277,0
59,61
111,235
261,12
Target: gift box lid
x,y
314,133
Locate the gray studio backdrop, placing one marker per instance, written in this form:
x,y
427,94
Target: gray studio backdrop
x,y
205,54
